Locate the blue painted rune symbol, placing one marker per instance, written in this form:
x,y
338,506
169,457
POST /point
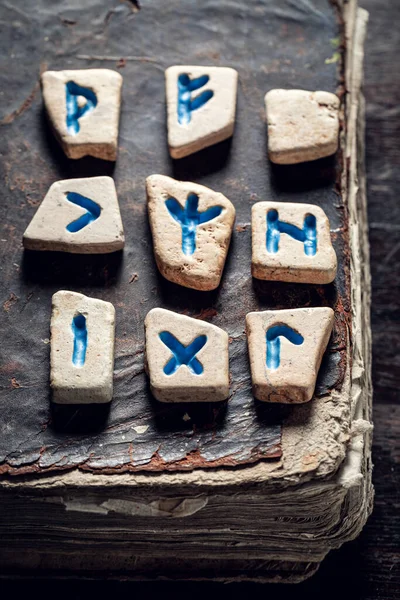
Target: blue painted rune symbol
x,y
74,111
79,330
186,105
189,218
93,211
183,355
274,343
307,235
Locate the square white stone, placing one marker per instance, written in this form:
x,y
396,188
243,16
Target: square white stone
x,y
286,349
79,216
291,242
191,227
201,106
82,349
83,107
187,359
302,125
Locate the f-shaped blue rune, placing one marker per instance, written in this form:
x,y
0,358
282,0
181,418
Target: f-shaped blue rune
x,y
185,103
274,343
189,218
307,235
74,111
93,211
80,340
183,355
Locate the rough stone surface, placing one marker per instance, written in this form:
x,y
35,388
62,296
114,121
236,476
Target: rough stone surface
x,y
91,383
212,385
211,123
201,270
48,228
98,134
293,380
290,263
302,125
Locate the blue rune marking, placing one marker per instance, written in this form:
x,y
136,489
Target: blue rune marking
x,y
80,340
274,343
189,218
75,112
185,103
183,355
93,211
307,235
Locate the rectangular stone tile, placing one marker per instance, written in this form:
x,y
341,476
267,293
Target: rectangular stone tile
x,y
83,107
302,125
286,349
201,106
291,242
82,349
187,359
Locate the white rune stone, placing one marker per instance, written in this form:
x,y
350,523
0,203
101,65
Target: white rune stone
x,y
77,215
82,349
286,349
187,359
84,107
201,107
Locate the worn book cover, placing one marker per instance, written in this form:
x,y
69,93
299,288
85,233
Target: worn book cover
x,y
241,489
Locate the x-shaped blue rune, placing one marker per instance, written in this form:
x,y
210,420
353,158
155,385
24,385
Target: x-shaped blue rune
x,y
274,343
183,355
307,235
74,111
189,218
185,103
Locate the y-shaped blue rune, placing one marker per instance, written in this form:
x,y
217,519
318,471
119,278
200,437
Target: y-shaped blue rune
x,y
93,211
183,355
185,103
189,218
75,112
274,343
307,235
80,340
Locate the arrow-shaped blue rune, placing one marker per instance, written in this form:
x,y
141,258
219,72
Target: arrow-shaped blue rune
x,y
79,330
185,103
183,355
93,211
274,343
74,111
189,218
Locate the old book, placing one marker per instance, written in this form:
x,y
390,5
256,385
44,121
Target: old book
x,y
246,491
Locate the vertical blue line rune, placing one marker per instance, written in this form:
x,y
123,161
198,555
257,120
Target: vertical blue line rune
x,y
93,211
74,111
183,355
307,235
274,343
185,103
189,218
79,330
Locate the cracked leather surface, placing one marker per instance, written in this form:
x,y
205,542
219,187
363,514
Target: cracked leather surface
x,y
289,47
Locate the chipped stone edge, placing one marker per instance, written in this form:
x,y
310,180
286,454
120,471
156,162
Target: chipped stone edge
x,y
104,151
350,461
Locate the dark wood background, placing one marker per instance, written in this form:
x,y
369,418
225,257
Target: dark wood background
x,y
368,568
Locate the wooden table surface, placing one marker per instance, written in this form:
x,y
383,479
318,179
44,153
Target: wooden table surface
x,y
367,568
